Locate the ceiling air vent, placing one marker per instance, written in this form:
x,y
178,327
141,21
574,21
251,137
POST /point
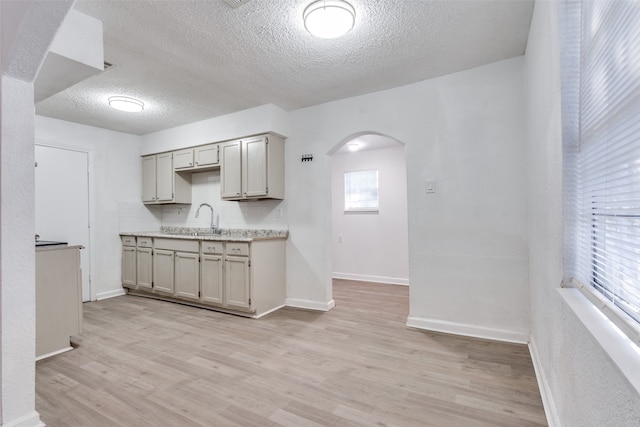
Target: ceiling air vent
x,y
236,3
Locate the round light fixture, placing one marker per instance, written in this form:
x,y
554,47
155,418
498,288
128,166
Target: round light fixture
x,y
353,146
329,19
125,103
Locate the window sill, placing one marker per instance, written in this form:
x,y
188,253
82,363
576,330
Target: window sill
x,y
361,212
624,353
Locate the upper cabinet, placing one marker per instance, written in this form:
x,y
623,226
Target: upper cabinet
x,y
160,183
199,158
253,168
250,168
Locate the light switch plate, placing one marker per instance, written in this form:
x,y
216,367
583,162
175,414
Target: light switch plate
x,y
430,186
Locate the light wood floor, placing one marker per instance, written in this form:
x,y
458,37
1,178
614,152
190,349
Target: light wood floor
x,y
142,362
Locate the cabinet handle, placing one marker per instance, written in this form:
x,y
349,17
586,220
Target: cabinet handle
x,y
191,163
196,163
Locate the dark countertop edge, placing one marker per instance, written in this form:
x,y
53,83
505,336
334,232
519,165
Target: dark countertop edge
x,y
57,247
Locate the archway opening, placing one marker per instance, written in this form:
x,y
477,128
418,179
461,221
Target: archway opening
x,y
369,243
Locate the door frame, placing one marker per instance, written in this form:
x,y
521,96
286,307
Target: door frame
x,y
90,203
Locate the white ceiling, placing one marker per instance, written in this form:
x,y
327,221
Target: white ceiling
x,y
193,60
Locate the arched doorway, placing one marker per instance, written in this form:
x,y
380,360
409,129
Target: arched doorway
x,y
369,210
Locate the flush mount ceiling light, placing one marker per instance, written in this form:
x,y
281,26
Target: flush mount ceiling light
x,y
125,103
353,146
329,19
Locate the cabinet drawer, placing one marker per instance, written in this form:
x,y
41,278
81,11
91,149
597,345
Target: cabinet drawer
x,y
145,242
212,247
128,241
241,249
178,245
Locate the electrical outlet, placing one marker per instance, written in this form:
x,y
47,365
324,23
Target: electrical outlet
x,y
179,211
340,239
279,213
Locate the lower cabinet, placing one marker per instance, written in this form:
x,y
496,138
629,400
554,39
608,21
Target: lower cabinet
x,y
243,277
163,269
211,268
129,262
187,275
237,279
144,263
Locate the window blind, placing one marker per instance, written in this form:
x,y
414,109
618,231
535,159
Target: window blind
x,y
604,241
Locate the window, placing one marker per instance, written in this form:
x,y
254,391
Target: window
x,y
361,191
601,133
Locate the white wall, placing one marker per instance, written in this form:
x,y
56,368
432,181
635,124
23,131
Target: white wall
x,y
27,31
468,253
374,247
115,192
205,188
582,386
252,121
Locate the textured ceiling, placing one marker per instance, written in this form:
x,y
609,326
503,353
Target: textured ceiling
x,y
192,60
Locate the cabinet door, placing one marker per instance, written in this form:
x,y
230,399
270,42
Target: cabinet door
x,y
129,266
164,177
236,278
144,262
254,167
163,271
149,179
183,159
230,170
187,275
207,155
211,284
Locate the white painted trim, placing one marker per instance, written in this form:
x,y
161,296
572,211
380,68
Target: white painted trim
x,y
467,330
374,279
310,305
53,353
622,351
549,405
91,186
268,311
111,294
29,420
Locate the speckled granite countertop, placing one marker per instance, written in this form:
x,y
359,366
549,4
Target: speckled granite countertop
x,y
224,235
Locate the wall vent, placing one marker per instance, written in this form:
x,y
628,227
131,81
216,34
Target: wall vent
x,y
236,3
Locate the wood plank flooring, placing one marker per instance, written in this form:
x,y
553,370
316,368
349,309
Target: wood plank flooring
x,y
143,362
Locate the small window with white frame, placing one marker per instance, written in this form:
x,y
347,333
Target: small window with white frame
x,y
361,191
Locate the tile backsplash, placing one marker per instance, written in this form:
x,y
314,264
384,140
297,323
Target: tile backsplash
x,y
205,187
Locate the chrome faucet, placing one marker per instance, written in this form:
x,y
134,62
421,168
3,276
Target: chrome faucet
x,y
213,227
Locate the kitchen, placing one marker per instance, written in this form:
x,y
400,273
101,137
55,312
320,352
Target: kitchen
x,y
473,234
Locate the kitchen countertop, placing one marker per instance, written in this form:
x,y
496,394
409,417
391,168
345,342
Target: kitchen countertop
x,y
226,235
57,247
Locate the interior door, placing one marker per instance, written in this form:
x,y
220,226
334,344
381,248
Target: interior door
x,y
62,202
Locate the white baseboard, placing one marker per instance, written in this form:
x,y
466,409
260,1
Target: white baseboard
x,y
468,330
111,294
375,279
545,391
268,311
53,353
29,420
309,305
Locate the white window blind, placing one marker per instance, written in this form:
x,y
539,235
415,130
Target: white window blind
x,y
604,241
361,191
